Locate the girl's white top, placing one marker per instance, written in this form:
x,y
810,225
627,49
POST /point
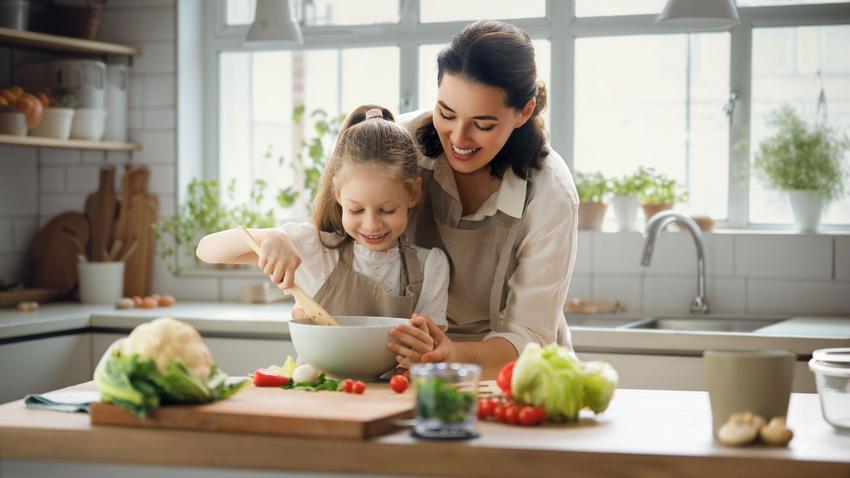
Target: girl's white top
x,y
318,262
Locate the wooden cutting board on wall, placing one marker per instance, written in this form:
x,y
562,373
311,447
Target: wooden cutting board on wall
x,y
274,411
139,211
52,262
101,208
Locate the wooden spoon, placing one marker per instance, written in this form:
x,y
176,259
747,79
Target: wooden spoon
x,y
312,309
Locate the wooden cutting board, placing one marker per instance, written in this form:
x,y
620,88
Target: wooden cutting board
x,y
53,256
100,208
139,211
274,411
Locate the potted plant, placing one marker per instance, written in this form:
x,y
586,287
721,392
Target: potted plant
x,y
627,192
807,162
208,210
660,194
592,188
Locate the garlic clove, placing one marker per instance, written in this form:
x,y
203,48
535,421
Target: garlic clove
x,y
776,433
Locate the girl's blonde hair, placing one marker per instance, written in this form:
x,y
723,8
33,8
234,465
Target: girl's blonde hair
x,y
376,141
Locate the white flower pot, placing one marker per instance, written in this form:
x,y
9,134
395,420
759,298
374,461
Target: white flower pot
x,y
88,124
806,207
625,210
55,123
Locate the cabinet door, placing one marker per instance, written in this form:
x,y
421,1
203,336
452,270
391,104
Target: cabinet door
x,y
236,356
42,365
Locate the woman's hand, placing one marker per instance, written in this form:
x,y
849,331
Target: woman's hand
x,y
421,341
279,259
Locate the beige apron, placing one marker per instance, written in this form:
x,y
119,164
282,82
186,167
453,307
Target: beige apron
x,y
482,257
347,292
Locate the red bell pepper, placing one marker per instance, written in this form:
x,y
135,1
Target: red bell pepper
x,y
264,378
504,378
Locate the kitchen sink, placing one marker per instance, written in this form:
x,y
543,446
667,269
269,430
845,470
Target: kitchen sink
x,y
702,324
600,321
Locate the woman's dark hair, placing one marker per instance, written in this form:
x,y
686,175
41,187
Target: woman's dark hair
x,y
501,55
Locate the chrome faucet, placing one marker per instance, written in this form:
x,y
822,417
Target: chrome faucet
x,y
699,304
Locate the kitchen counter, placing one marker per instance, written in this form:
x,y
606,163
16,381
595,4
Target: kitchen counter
x,y
643,433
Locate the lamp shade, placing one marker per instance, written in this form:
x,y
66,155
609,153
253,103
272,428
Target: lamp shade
x,y
699,14
273,23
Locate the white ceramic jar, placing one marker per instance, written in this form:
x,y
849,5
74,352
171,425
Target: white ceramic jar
x,y
88,124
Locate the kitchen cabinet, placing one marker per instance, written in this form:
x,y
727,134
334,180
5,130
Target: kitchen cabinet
x,y
41,365
236,356
670,372
22,39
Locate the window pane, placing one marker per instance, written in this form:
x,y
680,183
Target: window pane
x,y
258,92
773,3
785,66
656,101
597,8
324,12
453,10
428,72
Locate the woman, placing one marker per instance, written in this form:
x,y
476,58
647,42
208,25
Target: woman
x,y
497,199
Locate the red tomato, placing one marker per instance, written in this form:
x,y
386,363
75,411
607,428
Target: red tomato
x,y
399,383
504,378
358,387
528,417
347,385
485,408
512,414
499,412
541,413
264,378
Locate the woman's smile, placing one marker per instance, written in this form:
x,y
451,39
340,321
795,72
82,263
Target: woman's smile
x,y
463,154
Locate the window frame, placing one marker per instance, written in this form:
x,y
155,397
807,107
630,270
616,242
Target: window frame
x,y
561,28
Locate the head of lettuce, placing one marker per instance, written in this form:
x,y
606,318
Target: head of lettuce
x,y
162,361
553,377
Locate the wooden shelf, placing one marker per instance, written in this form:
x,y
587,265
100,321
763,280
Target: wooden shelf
x,y
12,140
45,41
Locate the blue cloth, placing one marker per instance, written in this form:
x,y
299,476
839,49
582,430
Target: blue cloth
x,y
63,401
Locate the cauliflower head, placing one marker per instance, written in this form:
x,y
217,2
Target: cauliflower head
x,y
167,340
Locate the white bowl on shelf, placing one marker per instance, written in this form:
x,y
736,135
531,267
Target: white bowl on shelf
x,y
13,123
88,124
55,123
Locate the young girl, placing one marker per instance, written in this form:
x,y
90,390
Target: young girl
x,y
356,258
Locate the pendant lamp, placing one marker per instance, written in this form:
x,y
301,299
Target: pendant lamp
x,y
699,14
273,23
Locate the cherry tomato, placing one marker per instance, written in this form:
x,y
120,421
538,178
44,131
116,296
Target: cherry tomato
x,y
512,414
528,417
541,413
399,383
358,387
499,412
264,378
485,408
347,385
504,378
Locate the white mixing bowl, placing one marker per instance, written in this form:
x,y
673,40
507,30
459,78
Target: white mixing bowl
x,y
356,349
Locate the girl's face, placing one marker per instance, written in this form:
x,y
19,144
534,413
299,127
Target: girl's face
x,y
473,122
374,206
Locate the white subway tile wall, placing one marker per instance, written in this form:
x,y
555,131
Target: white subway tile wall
x,y
842,258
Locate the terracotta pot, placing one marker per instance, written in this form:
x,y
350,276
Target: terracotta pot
x,y
650,210
590,215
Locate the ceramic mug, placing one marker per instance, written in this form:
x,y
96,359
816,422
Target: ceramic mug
x,y
101,282
757,381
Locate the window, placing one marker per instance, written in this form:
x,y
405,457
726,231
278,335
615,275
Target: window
x,y
786,63
623,92
666,113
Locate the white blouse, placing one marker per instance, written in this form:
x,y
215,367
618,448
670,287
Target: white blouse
x,y
318,262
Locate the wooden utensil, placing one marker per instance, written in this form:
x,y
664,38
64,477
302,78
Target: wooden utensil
x,y
312,309
274,411
100,209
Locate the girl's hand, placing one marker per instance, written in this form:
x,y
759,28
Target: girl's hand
x,y
279,259
419,342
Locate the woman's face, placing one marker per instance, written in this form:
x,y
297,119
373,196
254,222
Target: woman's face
x,y
473,122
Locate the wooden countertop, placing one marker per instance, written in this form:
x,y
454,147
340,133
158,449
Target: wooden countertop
x,y
643,433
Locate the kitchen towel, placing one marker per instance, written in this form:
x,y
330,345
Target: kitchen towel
x,y
63,401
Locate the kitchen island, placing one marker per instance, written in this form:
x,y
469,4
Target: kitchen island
x,y
643,433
